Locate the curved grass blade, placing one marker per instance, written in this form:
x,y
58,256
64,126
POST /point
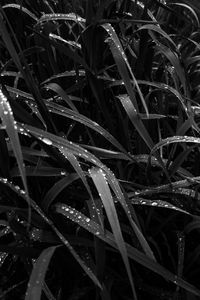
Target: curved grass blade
x,y
126,205
9,122
23,67
166,87
191,10
102,187
23,9
175,61
159,85
21,193
122,62
157,203
172,187
76,165
133,253
135,119
195,224
64,49
58,187
60,143
158,29
59,91
72,73
75,116
37,278
65,145
59,16
175,139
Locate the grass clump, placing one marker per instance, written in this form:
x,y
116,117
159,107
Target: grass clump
x,y
99,146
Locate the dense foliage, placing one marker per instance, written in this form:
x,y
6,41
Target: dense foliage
x,y
99,149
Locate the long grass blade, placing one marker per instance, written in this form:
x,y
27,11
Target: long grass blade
x,y
133,253
21,193
37,278
101,184
23,9
6,115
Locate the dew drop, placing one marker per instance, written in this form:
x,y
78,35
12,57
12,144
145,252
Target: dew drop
x,y
47,141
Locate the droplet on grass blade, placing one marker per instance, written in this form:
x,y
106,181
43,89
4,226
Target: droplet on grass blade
x,y
47,141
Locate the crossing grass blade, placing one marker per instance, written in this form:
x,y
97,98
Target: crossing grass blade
x,y
75,116
167,88
77,167
132,252
54,191
21,193
102,187
122,64
135,119
75,150
60,92
126,205
159,30
37,278
73,44
23,67
175,61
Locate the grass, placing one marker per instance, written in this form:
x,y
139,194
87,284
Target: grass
x,y
99,147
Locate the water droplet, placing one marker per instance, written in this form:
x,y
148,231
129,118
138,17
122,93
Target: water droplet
x,y
47,141
87,220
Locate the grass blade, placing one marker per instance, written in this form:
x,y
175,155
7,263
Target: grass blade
x,y
22,194
101,184
65,17
37,279
75,116
175,139
9,122
133,253
23,9
56,189
122,62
